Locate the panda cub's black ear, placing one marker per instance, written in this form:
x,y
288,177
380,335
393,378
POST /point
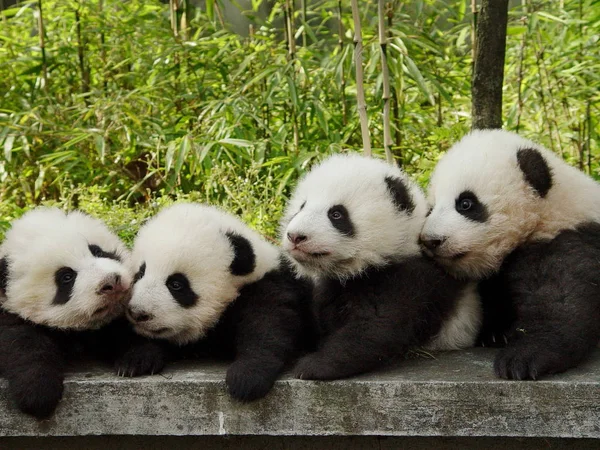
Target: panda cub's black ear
x,y
535,170
400,194
3,275
244,259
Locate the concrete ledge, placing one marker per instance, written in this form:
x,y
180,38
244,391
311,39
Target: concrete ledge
x,y
452,395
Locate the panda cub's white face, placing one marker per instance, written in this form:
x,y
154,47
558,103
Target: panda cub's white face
x,y
349,213
483,205
62,270
191,261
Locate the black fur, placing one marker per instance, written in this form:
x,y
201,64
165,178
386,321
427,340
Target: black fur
x,y
181,290
33,358
244,259
553,294
535,170
468,205
267,325
3,274
340,219
373,318
400,194
99,253
64,279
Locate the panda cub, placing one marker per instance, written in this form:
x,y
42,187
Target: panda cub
x,y
352,225
512,213
61,276
211,285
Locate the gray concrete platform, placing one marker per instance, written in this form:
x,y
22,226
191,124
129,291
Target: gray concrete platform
x,y
453,395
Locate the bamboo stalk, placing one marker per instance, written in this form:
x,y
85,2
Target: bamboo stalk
x,y
588,117
304,13
103,44
291,43
343,71
173,8
290,29
474,13
538,56
360,89
219,14
543,68
387,131
85,81
42,33
520,72
395,97
184,19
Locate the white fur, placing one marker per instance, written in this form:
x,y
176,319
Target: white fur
x,y
45,240
460,330
485,162
383,233
190,238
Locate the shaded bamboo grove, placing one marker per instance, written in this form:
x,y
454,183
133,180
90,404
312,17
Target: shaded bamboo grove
x,y
141,101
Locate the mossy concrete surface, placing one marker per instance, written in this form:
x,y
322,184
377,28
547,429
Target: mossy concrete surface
x,y
453,394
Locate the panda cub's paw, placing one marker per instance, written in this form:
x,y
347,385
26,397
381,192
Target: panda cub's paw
x,y
144,359
526,362
36,395
314,367
246,382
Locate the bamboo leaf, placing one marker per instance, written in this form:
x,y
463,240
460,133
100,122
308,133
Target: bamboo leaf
x,y
416,75
8,145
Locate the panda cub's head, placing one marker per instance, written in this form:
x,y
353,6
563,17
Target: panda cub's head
x,y
192,260
492,192
350,213
64,271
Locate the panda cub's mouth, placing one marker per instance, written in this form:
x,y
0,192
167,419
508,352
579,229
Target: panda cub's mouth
x,y
302,254
101,310
156,332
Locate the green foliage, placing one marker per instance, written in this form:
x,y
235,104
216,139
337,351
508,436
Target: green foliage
x,y
118,113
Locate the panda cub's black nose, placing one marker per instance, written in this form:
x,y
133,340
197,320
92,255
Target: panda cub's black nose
x,y
111,284
139,316
296,238
430,244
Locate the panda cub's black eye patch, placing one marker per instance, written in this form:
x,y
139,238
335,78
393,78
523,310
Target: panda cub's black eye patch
x,y
468,205
340,219
97,252
181,290
64,278
140,273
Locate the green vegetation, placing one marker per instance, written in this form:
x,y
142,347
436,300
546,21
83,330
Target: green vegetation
x,y
115,113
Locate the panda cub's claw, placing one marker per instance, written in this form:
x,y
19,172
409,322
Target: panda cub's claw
x,y
38,398
145,359
518,363
247,382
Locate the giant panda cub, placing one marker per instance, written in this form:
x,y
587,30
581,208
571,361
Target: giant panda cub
x,y
212,286
512,213
63,277
352,225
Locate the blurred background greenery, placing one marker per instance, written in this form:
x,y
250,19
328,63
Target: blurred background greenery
x,y
119,107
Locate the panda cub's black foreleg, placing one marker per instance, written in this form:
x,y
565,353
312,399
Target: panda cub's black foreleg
x,y
555,289
357,347
33,364
270,328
